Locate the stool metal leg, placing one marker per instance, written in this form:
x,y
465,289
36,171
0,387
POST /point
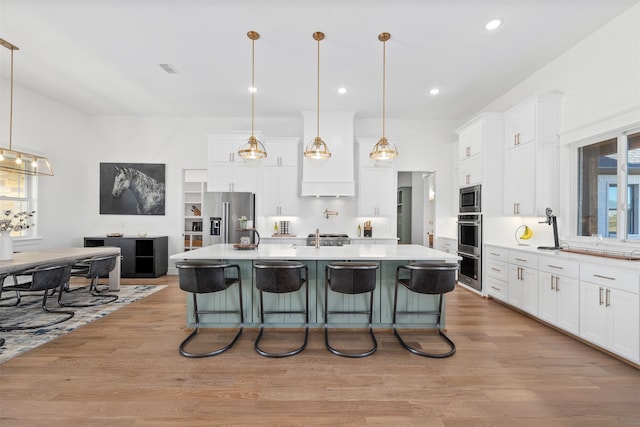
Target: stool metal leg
x,y
197,313
306,328
451,344
326,327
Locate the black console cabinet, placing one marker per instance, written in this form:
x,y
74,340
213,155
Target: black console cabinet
x,y
141,256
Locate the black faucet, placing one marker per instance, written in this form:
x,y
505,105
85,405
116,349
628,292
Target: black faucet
x,y
551,220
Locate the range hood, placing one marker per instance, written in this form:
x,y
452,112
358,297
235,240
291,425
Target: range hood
x,y
333,177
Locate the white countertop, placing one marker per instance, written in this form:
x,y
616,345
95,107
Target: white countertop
x,y
599,260
347,252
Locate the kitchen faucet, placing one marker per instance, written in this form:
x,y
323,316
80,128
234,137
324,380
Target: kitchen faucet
x,y
551,220
317,237
327,212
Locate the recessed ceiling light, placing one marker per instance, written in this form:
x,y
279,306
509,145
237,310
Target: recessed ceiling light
x,y
253,89
434,91
342,90
493,24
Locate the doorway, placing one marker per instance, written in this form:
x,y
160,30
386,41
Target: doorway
x,y
416,207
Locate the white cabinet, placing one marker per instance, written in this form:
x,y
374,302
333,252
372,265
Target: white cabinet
x,y
376,191
470,171
530,155
523,281
446,244
481,156
279,184
194,184
609,309
496,270
558,293
226,170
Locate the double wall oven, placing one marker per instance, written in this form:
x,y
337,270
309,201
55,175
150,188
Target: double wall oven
x,y
470,238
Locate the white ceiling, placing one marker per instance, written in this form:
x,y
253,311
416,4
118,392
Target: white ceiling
x,y
103,56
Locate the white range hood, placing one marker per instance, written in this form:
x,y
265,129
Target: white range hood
x,y
333,177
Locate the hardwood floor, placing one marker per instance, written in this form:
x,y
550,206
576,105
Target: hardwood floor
x,y
125,370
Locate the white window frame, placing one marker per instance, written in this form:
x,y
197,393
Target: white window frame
x,y
571,178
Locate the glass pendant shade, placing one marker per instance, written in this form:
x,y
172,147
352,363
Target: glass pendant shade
x,y
19,161
317,149
252,149
384,150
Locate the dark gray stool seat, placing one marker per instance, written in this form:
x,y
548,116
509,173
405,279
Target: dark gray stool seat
x,y
426,278
279,277
201,278
45,279
92,268
350,278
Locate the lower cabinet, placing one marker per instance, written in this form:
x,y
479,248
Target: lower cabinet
x,y
523,281
558,293
598,303
141,256
609,310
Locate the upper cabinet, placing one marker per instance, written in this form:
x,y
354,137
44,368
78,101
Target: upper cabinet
x,y
531,130
279,183
480,157
377,183
226,170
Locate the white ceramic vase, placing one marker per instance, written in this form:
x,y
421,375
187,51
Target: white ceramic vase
x,y
6,246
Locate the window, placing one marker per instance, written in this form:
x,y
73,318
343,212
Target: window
x,y
609,172
18,194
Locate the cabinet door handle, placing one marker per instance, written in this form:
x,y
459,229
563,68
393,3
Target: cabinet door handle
x,y
555,266
495,269
494,288
520,259
608,298
604,277
468,153
553,286
557,287
599,295
494,254
468,179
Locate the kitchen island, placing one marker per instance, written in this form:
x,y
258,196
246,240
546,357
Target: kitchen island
x,y
388,257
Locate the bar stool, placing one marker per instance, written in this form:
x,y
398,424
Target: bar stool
x,y
280,277
92,268
205,278
426,278
350,278
45,279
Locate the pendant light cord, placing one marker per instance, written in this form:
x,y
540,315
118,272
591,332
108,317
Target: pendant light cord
x,y
384,86
318,94
11,103
253,86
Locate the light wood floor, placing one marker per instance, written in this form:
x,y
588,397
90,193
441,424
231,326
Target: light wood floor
x,y
125,370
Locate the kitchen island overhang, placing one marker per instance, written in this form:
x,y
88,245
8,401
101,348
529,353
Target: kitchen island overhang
x,y
388,257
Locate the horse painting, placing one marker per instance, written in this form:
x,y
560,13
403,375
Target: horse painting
x,y
148,192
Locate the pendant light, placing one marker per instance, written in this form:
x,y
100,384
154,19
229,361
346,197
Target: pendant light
x,y
384,150
317,149
18,161
252,149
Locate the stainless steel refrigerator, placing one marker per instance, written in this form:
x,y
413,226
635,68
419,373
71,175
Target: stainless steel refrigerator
x,y
221,213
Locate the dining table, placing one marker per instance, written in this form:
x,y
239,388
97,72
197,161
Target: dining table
x,y
29,259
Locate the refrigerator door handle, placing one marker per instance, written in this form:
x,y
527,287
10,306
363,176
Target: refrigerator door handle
x,y
225,222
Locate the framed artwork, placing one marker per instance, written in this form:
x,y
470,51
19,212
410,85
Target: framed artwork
x,y
132,188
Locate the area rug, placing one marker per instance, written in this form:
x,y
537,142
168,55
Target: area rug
x,y
30,312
